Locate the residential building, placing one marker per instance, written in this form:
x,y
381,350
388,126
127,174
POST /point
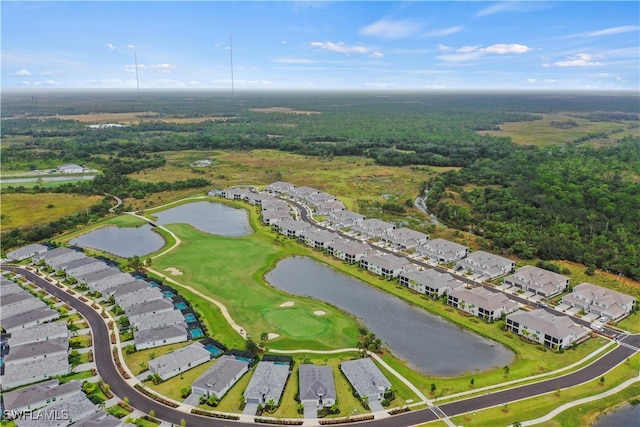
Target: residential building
x,y
161,335
87,266
538,280
34,371
235,193
374,228
486,265
27,319
291,227
110,288
365,378
405,238
430,282
302,193
386,265
27,252
601,301
482,303
43,332
155,320
317,239
326,208
138,311
280,187
180,360
59,262
552,331
99,419
20,354
141,295
348,250
345,219
274,204
51,254
257,198
267,382
316,385
74,408
443,250
20,305
39,395
273,217
70,168
220,377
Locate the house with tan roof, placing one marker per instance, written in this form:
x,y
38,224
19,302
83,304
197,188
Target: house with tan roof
x,y
482,303
538,280
430,282
443,250
552,331
601,301
486,265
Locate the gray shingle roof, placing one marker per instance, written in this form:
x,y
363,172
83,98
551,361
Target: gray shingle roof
x,y
19,353
39,393
160,333
99,419
147,307
138,296
220,374
39,332
547,323
158,319
39,314
21,306
26,252
181,358
35,369
122,289
267,382
316,382
75,408
365,377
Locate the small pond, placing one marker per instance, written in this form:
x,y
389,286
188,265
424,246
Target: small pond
x,y
626,415
212,218
124,242
428,343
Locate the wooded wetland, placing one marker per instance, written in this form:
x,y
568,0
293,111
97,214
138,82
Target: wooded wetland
x,y
533,176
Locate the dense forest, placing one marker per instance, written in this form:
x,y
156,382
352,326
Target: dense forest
x,y
577,201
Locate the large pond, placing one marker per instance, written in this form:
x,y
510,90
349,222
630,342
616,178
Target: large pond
x,y
124,242
627,415
428,343
212,218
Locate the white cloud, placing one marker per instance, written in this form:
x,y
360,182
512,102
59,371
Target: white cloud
x,y
579,60
47,73
22,73
162,68
532,81
443,48
377,54
390,30
47,83
131,68
110,46
131,46
551,81
468,53
341,48
512,6
26,82
614,30
502,48
497,8
444,31
193,83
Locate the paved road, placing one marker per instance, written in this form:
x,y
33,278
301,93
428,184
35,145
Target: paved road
x,y
107,370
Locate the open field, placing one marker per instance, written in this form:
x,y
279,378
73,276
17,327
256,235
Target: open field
x,y
541,133
134,118
21,210
283,110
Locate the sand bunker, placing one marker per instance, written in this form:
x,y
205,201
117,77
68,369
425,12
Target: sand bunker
x,y
273,336
319,313
174,271
287,304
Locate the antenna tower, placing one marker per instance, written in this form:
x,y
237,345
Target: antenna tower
x,y
135,58
231,56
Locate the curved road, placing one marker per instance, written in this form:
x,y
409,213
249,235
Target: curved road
x,y
109,373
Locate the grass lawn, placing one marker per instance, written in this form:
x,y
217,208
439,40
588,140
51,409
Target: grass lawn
x,y
76,376
173,386
536,407
21,210
134,360
117,411
231,271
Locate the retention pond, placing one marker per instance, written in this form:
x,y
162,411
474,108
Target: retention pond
x,y
212,218
124,242
428,343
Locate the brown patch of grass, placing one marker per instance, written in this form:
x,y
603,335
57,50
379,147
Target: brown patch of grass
x,y
24,210
135,118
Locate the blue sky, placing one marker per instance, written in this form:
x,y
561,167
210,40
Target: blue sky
x,y
322,45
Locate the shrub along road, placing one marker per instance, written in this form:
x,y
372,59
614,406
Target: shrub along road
x,y
122,389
